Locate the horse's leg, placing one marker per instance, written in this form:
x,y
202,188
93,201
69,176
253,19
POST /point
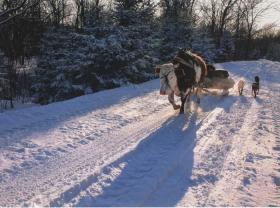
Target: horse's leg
x,y
172,101
183,100
254,93
197,94
185,97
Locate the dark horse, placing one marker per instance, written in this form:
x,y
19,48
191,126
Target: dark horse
x,y
183,75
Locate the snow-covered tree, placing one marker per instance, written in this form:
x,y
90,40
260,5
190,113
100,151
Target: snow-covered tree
x,y
128,12
202,43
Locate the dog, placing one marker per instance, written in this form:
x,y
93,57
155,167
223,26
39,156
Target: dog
x,y
240,85
256,87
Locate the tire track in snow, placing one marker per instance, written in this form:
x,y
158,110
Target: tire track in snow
x,y
213,162
79,167
141,174
59,138
68,195
276,120
243,181
214,151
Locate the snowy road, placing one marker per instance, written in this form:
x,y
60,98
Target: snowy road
x,y
127,147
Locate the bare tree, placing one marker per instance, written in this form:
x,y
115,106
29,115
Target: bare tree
x,y
210,12
80,13
13,9
219,14
254,9
226,14
56,11
20,30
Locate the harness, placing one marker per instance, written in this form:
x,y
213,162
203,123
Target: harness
x,y
191,65
183,62
185,72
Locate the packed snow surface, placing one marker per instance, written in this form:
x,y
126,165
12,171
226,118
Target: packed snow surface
x,y
128,147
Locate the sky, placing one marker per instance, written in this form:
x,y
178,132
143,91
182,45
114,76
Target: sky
x,y
272,15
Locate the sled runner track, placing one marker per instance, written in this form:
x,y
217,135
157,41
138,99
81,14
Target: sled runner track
x,y
82,162
51,116
144,170
190,127
213,161
237,143
204,174
234,155
50,138
186,143
227,191
39,194
276,121
106,173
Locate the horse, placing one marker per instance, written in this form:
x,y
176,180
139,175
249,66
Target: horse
x,y
181,77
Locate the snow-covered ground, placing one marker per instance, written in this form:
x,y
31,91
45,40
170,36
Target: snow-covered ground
x,y
127,147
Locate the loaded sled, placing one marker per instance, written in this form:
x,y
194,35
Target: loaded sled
x,y
210,77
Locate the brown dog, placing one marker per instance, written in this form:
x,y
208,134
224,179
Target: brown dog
x,y
240,85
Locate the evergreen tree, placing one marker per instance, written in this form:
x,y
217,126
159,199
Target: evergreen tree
x,y
202,44
126,11
129,12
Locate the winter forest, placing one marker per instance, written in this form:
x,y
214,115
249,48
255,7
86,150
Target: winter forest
x,y
53,50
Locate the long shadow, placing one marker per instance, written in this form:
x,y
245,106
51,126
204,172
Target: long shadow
x,y
157,172
143,171
56,113
209,102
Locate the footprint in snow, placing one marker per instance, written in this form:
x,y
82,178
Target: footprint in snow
x,y
16,149
83,142
48,153
276,180
41,157
277,148
61,150
90,138
71,146
29,145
